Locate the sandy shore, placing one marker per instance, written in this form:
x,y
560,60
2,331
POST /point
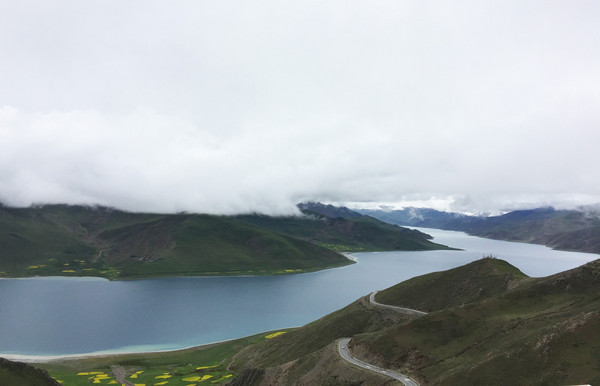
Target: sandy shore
x,y
99,354
124,351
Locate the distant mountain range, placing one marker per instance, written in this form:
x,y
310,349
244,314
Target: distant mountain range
x,y
573,230
328,210
99,241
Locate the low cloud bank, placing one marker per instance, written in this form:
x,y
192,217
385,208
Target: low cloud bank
x,y
232,106
145,161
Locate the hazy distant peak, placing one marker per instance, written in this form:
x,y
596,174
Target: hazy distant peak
x,y
590,210
328,210
414,214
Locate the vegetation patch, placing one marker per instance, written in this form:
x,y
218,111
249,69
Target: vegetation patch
x,y
201,365
273,335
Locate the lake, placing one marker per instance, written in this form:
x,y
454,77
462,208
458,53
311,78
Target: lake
x,y
67,316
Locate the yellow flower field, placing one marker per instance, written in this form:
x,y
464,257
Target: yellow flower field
x,y
274,334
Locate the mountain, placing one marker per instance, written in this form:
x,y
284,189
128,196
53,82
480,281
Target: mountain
x,y
422,217
343,230
539,331
489,324
585,240
98,241
574,230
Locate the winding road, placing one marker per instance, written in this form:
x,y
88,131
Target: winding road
x,y
408,311
120,374
343,350
345,353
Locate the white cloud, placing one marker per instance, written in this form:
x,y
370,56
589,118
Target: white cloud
x,y
232,106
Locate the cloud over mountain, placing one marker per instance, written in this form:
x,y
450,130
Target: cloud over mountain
x,y
234,107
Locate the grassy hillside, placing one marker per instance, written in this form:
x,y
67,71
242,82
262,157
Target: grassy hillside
x,y
540,331
96,241
204,244
583,240
490,325
362,317
64,240
475,281
350,235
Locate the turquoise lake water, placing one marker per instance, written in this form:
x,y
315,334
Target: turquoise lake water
x,y
67,316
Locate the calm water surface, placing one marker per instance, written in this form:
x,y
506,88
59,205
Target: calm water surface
x,y
64,316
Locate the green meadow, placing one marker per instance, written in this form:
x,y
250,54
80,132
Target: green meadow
x,y
204,365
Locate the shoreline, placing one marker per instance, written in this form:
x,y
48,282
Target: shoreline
x,y
351,260
348,255
105,354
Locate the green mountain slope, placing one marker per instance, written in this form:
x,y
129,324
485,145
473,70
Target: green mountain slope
x,y
475,281
103,242
96,241
349,235
543,331
582,240
493,325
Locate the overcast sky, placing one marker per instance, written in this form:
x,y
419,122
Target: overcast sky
x,y
241,106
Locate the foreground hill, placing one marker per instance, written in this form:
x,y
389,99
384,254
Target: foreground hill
x,y
540,331
573,230
489,324
309,353
97,241
16,373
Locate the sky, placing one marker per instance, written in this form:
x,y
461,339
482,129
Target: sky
x,y
234,106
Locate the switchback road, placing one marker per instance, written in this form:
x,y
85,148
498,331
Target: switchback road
x,y
343,350
408,311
